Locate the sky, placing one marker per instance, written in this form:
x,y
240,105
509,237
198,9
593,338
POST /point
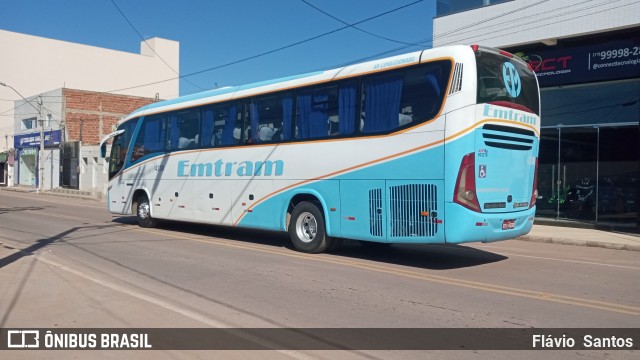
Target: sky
x,y
221,34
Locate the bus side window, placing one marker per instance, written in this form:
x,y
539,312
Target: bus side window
x,y
271,118
229,124
207,134
184,130
381,103
403,98
346,119
326,111
151,137
421,97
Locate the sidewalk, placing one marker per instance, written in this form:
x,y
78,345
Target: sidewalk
x,y
71,193
539,233
583,237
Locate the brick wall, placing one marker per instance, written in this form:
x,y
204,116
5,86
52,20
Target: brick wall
x,y
96,113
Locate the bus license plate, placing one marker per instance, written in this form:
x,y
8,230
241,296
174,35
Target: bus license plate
x,y
508,224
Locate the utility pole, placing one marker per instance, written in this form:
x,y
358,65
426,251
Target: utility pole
x,y
41,152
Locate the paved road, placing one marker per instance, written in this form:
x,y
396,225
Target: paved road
x,y
80,267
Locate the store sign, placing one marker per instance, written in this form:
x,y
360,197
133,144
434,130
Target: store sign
x,y
51,138
612,60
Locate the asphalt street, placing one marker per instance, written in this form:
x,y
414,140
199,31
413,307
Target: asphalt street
x,y
68,263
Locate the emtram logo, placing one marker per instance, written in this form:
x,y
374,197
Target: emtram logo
x,y
221,168
511,79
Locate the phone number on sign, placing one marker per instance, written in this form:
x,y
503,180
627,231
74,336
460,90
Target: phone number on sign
x,y
617,53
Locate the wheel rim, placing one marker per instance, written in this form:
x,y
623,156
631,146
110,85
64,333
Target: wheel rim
x,y
306,227
143,210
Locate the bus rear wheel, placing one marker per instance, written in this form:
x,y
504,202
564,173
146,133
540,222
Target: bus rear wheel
x,y
143,213
307,229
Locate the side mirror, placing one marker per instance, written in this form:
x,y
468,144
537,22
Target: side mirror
x,y
103,143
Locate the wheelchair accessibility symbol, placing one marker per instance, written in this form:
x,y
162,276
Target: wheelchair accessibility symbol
x,y
483,171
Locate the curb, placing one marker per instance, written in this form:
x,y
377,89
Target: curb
x,y
574,242
59,194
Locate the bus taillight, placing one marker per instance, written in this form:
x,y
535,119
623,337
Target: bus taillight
x,y
505,53
534,191
465,191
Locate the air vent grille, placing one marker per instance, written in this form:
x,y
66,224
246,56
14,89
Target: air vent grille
x,y
375,212
456,82
413,210
507,137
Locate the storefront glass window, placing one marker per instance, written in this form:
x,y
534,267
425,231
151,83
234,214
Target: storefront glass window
x,y
618,175
589,159
599,103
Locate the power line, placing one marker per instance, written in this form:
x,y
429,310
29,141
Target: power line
x,y
538,24
429,42
491,18
418,43
354,27
149,46
538,14
272,51
23,98
496,27
425,42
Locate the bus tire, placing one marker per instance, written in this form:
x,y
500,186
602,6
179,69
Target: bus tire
x,y
143,213
307,229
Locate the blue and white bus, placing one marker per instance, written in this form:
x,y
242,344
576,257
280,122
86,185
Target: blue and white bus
x,y
434,146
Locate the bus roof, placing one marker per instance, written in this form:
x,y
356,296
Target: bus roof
x,y
262,87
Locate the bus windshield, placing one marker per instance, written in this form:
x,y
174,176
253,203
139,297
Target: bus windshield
x,y
120,147
506,82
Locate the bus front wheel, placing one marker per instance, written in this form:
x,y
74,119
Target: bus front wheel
x,y
143,213
307,229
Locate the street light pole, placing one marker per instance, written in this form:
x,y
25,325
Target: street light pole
x,y
41,152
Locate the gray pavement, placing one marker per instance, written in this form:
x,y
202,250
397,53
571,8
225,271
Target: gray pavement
x,y
583,237
540,233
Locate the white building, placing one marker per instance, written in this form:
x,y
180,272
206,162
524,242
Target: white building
x,y
587,58
34,65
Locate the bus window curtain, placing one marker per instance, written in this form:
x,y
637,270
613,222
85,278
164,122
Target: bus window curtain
x,y
174,132
432,83
154,135
428,106
347,108
229,126
382,104
287,117
206,139
254,113
312,116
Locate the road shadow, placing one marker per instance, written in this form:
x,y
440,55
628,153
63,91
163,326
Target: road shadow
x,y
425,256
17,209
